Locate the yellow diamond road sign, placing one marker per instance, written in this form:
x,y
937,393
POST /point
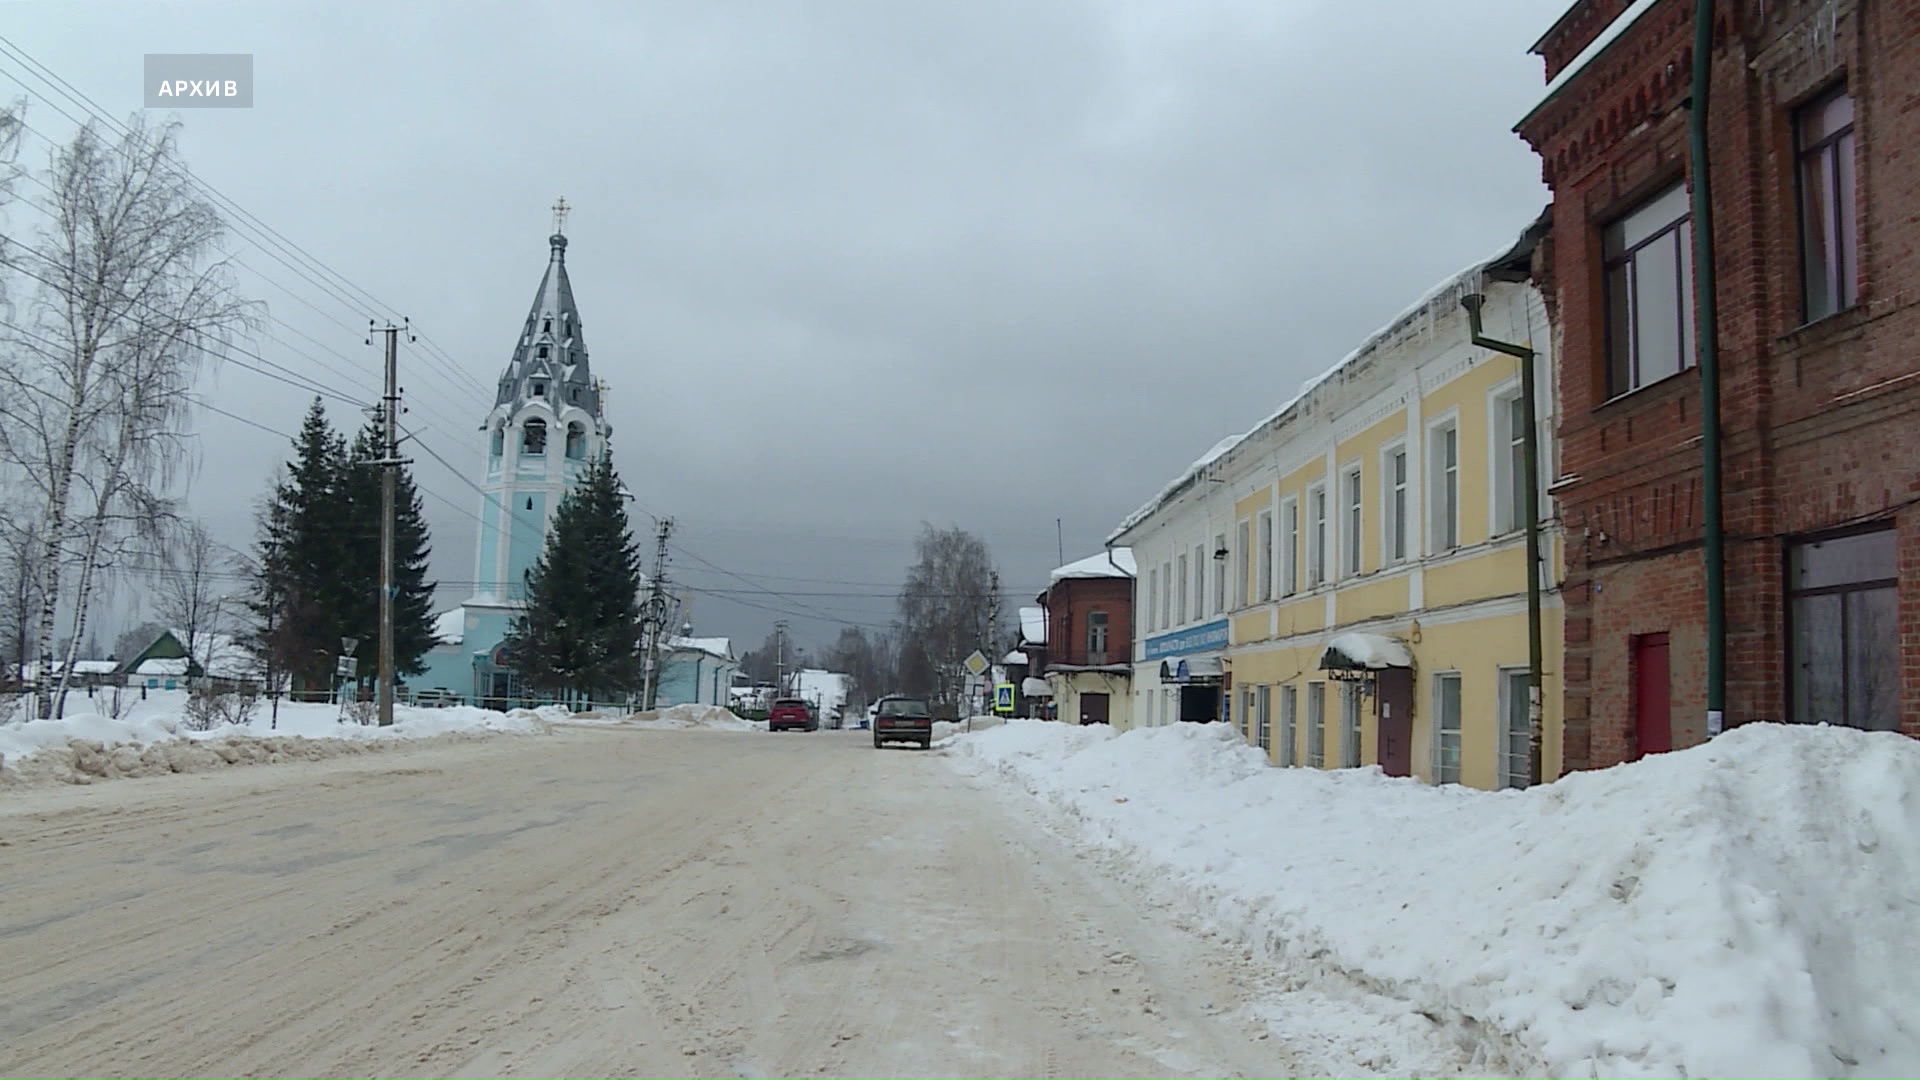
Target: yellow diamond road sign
x,y
976,664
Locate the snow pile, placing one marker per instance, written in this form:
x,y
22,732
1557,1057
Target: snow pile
x,y
704,717
1744,908
152,738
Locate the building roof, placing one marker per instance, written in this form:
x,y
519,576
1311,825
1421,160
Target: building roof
x,y
553,323
1099,566
1600,44
715,646
1507,254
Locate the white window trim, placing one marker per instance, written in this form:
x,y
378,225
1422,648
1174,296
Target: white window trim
x,y
1497,445
1348,471
1430,463
1186,586
1410,550
1200,561
1321,726
1153,599
1289,548
1166,594
1242,561
1352,737
1439,716
1221,568
1313,572
1289,725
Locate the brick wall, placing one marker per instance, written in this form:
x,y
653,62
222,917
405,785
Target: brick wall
x,y
1071,601
1818,421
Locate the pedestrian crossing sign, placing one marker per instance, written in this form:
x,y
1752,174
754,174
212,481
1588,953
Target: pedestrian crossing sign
x,y
1003,698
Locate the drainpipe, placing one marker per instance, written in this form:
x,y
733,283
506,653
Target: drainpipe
x,y
1709,360
1530,458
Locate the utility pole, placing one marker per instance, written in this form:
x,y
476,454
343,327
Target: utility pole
x,y
655,624
389,479
780,658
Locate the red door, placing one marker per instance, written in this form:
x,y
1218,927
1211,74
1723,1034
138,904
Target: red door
x,y
1652,696
1393,698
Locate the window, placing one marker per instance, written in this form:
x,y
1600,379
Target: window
x,y
576,442
1444,491
539,389
1648,256
1166,594
541,352
1446,729
1350,725
1394,506
1219,574
546,326
1183,588
1829,237
1265,572
1509,430
1350,522
1096,637
1240,567
1316,535
1516,729
1246,715
1200,581
499,441
1317,725
1153,600
1263,719
1844,631
533,437
1288,705
1289,547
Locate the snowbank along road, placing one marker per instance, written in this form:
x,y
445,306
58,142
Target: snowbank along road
x,y
595,903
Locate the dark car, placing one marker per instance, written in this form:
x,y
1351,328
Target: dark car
x,y
792,714
902,719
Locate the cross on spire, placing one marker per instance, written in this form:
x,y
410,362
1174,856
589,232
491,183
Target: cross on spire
x,y
560,210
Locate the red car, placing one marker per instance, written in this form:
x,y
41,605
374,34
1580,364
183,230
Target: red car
x,y
792,714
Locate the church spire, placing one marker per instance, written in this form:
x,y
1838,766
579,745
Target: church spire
x,y
550,359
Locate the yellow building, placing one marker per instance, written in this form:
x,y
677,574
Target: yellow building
x,y
1369,546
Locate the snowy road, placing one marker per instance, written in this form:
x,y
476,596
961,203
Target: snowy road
x,y
595,902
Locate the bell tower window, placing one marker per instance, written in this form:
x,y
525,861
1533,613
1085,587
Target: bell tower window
x,y
541,352
498,442
533,437
539,389
546,326
576,441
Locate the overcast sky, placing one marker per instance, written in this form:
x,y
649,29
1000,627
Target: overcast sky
x,y
847,265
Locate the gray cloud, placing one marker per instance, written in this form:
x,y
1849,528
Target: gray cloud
x,y
849,264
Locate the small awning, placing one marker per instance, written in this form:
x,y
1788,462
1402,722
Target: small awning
x,y
1365,652
1193,669
1032,687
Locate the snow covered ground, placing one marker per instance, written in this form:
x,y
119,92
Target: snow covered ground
x,y
703,717
152,738
1744,908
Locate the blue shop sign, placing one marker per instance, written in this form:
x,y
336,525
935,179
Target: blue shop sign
x,y
1211,635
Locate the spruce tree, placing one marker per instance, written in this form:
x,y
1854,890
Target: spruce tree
x,y
293,600
581,629
361,504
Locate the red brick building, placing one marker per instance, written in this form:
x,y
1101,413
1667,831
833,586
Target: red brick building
x,y
1089,613
1814,151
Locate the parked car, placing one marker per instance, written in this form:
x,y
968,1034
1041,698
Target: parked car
x,y
902,719
792,714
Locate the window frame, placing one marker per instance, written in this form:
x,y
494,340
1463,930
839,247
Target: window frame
x,y
1184,581
1153,599
1849,592
1393,517
1353,517
1441,731
1317,530
1844,286
1242,568
1263,573
1685,316
1200,582
1515,708
1166,594
1351,723
1290,546
1097,621
1289,723
1506,459
1317,724
1220,570
1263,713
1443,534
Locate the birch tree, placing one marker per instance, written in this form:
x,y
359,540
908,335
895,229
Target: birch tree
x,y
187,591
130,302
949,606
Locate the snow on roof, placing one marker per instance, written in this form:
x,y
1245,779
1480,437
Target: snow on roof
x,y
221,656
717,646
1032,687
1588,55
450,627
1372,341
1099,566
1370,651
175,667
1033,625
1014,657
